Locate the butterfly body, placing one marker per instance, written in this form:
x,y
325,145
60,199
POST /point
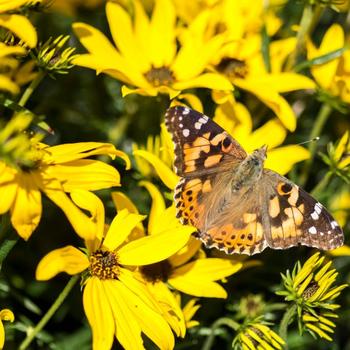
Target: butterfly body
x,y
237,205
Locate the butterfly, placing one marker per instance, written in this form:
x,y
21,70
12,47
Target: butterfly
x,y
236,204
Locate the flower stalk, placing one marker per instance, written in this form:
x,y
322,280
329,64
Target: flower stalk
x,y
46,318
30,89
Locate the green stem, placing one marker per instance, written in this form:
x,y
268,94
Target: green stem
x,y
217,324
32,86
305,26
54,307
322,185
287,319
321,119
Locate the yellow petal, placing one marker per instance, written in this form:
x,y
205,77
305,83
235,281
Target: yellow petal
x,y
341,251
20,26
211,269
341,146
206,80
27,208
68,259
128,330
80,150
186,253
158,205
171,310
162,40
7,315
285,82
99,314
122,201
120,228
7,193
2,335
85,174
6,5
6,84
271,134
273,100
122,32
81,223
169,178
332,40
198,288
282,159
151,249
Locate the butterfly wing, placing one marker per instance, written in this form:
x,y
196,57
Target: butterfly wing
x,y
200,144
294,217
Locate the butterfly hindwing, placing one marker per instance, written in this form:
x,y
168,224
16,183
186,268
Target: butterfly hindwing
x,y
200,144
295,217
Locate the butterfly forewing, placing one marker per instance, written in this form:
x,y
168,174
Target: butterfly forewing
x,y
200,144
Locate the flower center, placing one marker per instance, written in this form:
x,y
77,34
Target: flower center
x,y
233,68
160,76
310,290
157,272
104,265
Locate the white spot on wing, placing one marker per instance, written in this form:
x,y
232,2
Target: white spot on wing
x,y
318,208
314,215
185,132
186,111
334,224
181,126
198,125
313,230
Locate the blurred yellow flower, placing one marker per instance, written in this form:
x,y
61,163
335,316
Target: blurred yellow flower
x,y
5,315
17,24
8,64
53,170
189,310
241,59
115,301
235,118
146,54
333,76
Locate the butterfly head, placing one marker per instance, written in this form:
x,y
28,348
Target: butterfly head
x,y
260,153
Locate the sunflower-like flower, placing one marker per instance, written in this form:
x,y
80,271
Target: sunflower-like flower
x,y
188,270
5,315
255,335
17,24
146,55
310,289
241,59
53,170
116,302
331,75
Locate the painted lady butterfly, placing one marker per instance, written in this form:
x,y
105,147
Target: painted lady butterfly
x,y
237,205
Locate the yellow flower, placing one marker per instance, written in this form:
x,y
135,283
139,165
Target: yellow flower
x,y
333,75
115,301
188,270
236,120
146,54
53,170
189,310
241,59
5,315
17,24
257,335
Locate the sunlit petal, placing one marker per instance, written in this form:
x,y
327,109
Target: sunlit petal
x,y
99,314
68,259
154,248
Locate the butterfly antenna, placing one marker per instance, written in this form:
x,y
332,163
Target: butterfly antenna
x,y
312,140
